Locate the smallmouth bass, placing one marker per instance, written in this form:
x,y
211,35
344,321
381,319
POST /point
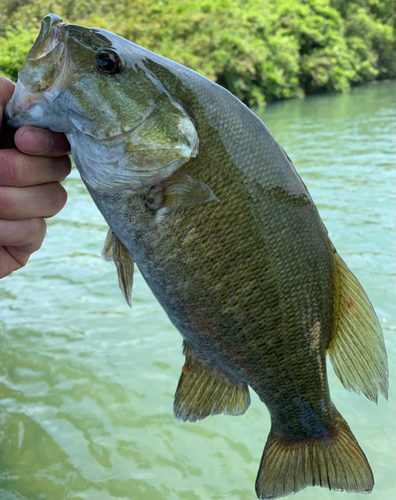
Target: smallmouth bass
x,y
201,197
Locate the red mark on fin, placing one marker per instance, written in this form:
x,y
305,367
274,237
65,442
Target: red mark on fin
x,y
186,369
350,304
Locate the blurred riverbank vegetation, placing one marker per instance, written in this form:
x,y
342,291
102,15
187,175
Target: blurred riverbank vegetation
x,y
261,50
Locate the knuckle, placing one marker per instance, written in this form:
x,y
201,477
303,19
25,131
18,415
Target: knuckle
x,y
23,171
61,167
60,144
15,169
7,202
8,172
57,198
38,226
66,165
36,233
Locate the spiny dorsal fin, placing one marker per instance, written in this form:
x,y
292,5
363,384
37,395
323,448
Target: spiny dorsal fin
x,y
115,250
204,390
356,348
335,462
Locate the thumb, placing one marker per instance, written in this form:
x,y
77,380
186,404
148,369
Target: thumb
x,y
6,90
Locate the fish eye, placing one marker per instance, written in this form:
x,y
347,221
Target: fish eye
x,y
108,62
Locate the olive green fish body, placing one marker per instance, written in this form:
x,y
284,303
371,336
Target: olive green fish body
x,y
202,198
263,311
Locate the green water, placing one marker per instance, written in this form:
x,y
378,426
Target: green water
x,y
86,384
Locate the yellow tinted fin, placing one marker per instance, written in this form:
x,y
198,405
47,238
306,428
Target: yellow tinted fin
x,y
337,463
356,348
204,390
115,250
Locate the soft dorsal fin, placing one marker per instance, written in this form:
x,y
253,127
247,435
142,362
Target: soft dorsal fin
x,y
204,390
357,349
115,250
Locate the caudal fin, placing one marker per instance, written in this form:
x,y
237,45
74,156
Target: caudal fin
x,y
338,464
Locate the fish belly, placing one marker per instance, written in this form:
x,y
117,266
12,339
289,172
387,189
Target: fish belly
x,y
251,297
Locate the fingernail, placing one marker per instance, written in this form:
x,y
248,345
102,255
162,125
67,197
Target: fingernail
x,y
35,141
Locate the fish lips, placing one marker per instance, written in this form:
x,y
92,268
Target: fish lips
x,y
24,108
28,108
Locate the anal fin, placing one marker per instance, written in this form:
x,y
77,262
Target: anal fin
x,y
357,349
204,390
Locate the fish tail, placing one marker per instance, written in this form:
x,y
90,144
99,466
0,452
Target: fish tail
x,y
337,463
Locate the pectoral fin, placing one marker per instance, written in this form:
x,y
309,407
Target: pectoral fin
x,y
179,190
357,349
204,390
107,251
115,250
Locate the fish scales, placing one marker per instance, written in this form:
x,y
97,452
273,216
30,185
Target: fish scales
x,y
198,193
241,324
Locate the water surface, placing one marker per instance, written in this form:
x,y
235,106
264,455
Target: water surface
x,y
86,384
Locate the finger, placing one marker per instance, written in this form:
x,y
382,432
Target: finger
x,y
11,259
18,240
27,234
45,200
41,142
18,169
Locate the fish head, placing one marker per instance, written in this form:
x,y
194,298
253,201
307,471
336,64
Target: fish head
x,y
125,129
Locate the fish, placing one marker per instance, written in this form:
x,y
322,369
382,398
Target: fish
x,y
201,197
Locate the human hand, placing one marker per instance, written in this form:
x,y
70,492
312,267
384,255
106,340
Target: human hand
x,y
30,188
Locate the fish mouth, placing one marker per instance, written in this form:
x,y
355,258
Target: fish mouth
x,y
51,34
45,60
18,109
43,75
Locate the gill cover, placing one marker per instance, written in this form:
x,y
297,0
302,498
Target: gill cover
x,y
130,131
126,130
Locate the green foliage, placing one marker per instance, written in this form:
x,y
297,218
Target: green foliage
x,y
14,47
260,50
